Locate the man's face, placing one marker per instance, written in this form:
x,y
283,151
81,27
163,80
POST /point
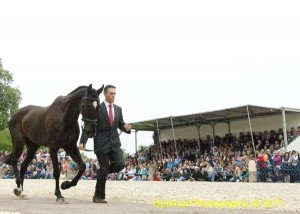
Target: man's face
x,y
110,95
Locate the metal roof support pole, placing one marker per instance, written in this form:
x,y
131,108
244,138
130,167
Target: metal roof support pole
x,y
229,128
158,136
251,132
213,124
284,128
136,141
173,133
198,125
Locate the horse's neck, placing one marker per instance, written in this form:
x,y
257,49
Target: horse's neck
x,y
73,102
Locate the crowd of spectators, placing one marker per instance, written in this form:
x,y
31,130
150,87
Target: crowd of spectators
x,y
223,159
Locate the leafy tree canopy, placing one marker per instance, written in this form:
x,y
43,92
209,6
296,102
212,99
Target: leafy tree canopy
x,y
10,97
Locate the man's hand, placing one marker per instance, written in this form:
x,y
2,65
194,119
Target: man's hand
x,y
127,127
81,146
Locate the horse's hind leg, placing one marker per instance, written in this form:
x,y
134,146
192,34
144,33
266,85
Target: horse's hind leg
x,y
14,163
31,149
75,155
18,146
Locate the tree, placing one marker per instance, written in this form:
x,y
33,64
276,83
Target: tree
x,y
5,140
10,97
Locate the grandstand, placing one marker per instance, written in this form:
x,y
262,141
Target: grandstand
x,y
248,118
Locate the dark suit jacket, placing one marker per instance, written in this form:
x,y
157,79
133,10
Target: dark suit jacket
x,y
107,137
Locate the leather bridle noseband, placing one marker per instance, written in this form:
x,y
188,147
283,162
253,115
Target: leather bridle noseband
x,y
88,120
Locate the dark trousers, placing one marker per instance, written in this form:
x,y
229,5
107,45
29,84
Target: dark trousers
x,y
111,162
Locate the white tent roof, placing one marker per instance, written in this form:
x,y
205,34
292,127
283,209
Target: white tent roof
x,y
224,115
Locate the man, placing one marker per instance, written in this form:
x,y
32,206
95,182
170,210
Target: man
x,y
107,144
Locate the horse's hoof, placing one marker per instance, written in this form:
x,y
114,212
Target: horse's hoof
x,y
60,200
17,192
65,185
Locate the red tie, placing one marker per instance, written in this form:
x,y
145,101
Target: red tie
x,y
110,115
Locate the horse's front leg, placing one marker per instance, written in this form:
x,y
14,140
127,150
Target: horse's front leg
x,y
67,184
75,155
56,174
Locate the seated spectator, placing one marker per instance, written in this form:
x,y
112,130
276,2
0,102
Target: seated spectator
x,y
185,175
142,171
142,158
131,173
29,173
136,177
170,164
194,150
112,176
166,175
73,167
121,174
175,175
196,174
210,171
35,172
144,178
42,173
293,133
157,176
236,174
189,156
87,175
218,170
8,174
228,172
244,174
203,174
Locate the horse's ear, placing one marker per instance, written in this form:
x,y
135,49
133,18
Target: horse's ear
x,y
100,89
89,89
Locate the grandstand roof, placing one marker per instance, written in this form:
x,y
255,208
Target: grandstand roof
x,y
224,115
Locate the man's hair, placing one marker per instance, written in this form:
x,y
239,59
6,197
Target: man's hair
x,y
107,87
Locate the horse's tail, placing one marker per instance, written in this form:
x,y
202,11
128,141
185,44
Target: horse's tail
x,y
16,139
8,159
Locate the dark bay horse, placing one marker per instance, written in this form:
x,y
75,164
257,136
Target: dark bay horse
x,y
55,126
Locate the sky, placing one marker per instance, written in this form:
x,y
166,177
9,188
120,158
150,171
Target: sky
x,y
166,58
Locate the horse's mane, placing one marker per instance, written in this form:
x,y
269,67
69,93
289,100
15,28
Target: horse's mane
x,y
80,87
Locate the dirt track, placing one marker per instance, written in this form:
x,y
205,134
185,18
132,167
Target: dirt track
x,y
147,197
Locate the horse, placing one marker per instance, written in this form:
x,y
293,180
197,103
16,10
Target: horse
x,y
55,127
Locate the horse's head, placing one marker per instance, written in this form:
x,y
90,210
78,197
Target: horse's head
x,y
89,108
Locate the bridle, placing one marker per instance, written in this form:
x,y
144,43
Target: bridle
x,y
88,120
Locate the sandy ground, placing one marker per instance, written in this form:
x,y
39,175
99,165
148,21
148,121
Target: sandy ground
x,y
152,197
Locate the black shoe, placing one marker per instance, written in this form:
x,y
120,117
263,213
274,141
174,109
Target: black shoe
x,y
99,200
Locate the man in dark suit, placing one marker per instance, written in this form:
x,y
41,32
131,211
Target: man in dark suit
x,y
107,144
